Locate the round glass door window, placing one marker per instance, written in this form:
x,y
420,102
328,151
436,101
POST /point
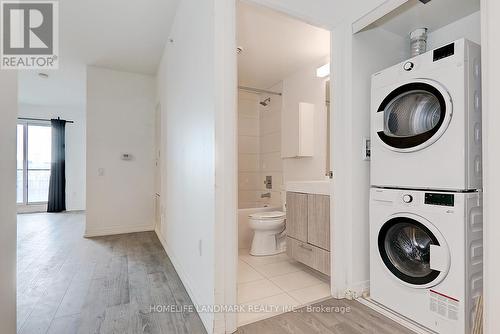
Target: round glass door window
x,y
413,114
404,245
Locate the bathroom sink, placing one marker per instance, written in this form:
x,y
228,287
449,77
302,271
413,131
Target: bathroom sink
x,y
309,187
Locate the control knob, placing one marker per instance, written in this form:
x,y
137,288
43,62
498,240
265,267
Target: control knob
x,y
408,66
407,198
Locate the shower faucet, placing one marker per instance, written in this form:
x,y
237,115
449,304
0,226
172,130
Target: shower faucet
x,y
269,182
265,195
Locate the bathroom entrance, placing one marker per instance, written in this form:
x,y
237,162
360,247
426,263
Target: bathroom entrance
x,y
283,148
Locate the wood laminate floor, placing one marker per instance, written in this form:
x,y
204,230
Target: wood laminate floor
x,y
328,317
67,284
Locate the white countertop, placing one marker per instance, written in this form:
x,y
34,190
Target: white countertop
x,y
309,187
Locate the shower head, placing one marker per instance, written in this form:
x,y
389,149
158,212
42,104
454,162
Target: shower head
x,y
265,102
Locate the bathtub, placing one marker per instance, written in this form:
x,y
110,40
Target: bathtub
x,y
245,234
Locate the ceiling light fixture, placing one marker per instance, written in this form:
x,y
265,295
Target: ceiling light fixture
x,y
323,71
43,75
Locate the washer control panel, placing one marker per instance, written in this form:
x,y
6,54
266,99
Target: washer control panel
x,y
439,199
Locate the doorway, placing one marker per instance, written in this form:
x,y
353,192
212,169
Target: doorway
x,y
283,64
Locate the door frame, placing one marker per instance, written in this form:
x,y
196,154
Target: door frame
x,y
490,53
158,167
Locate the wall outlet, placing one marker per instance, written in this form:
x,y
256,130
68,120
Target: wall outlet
x,y
366,149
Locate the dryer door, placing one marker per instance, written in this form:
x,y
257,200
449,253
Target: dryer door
x,y
406,243
414,116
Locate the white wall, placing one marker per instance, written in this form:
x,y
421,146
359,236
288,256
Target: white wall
x,y
468,27
305,86
197,91
8,106
186,80
120,119
75,147
372,51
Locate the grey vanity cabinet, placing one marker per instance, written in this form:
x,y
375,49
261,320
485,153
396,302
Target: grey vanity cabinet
x,y
308,229
318,221
296,215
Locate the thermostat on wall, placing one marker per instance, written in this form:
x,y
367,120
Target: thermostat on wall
x,y
126,156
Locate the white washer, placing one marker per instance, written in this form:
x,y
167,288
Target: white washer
x,y
426,121
426,256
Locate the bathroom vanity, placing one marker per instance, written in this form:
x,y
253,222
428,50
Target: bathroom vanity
x,y
308,224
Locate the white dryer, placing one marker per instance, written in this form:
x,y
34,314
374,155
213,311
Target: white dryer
x,y
426,121
426,256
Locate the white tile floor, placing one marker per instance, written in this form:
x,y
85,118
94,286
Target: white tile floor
x,y
270,285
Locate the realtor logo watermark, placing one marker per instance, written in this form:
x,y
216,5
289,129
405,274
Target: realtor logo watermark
x,y
30,34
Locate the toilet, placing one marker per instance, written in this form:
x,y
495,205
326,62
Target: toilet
x,y
269,233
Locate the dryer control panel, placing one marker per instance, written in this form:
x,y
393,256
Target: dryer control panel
x,y
439,199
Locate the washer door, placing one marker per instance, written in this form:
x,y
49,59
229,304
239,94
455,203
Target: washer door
x,y
414,115
405,244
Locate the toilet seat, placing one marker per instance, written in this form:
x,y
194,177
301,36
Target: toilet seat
x,y
271,215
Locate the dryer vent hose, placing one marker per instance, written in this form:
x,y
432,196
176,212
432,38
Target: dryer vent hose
x,y
418,41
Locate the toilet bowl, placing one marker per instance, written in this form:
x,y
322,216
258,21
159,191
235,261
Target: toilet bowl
x,y
269,233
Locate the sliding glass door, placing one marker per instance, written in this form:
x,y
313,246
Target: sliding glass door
x,y
20,164
33,162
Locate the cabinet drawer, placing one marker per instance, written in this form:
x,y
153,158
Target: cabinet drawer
x,y
309,255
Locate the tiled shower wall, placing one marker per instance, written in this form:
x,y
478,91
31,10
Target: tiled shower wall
x,y
271,163
248,150
259,150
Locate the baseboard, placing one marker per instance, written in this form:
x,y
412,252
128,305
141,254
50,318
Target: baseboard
x,y
43,209
117,230
403,321
32,208
359,289
205,317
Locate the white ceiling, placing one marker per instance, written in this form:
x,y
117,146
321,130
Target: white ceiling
x,y
275,45
325,13
433,15
125,35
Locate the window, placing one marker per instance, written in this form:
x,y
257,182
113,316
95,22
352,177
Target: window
x,y
33,162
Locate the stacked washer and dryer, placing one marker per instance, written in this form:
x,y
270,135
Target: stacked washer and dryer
x,y
425,198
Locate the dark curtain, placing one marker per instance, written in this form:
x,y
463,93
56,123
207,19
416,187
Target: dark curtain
x,y
57,186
